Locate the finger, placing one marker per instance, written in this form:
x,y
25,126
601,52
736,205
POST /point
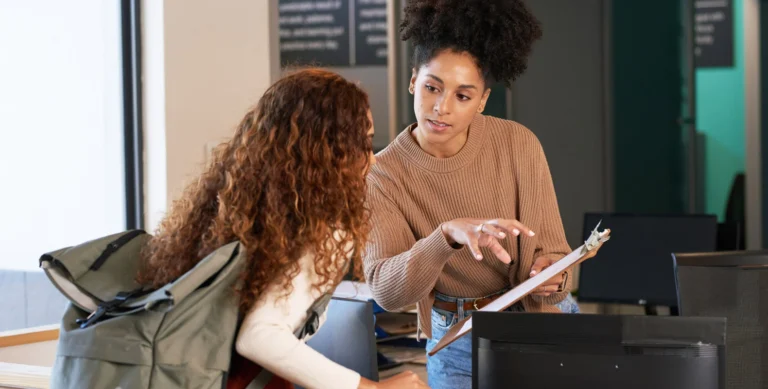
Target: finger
x,y
475,249
498,250
546,289
539,265
484,240
513,226
537,268
556,280
505,225
493,231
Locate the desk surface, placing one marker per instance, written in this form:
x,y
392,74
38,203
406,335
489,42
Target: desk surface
x,y
24,376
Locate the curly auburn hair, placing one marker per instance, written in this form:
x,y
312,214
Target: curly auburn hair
x,y
292,176
499,34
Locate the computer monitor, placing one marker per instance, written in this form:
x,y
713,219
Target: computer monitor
x,y
733,285
636,267
542,351
347,337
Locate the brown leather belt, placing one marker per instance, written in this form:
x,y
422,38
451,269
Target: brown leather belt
x,y
468,306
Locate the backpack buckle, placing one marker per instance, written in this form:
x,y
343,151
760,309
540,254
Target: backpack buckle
x,y
107,306
92,318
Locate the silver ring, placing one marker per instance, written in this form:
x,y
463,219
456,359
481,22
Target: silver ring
x,y
480,227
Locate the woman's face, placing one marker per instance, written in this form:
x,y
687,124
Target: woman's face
x,y
448,91
370,132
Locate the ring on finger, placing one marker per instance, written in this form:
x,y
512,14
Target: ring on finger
x,y
480,227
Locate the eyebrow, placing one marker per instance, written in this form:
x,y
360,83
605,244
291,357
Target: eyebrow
x,y
463,86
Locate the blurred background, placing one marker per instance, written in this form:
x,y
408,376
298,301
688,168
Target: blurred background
x,y
108,108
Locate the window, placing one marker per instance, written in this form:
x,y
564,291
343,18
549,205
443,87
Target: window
x,y
67,142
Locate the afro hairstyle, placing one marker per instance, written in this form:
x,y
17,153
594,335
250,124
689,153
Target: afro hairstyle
x,y
499,34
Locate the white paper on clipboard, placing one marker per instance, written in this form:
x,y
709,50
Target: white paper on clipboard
x,y
584,252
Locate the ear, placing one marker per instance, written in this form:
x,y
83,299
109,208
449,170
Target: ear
x,y
484,100
412,85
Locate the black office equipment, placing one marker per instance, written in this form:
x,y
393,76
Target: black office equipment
x,y
542,351
347,336
733,285
636,267
731,233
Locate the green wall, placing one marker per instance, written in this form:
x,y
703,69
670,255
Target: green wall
x,y
647,101
720,114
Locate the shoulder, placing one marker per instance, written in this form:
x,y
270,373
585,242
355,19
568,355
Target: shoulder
x,y
512,135
385,176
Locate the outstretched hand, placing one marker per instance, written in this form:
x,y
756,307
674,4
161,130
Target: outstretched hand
x,y
476,233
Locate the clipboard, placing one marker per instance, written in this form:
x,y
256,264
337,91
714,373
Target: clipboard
x,y
587,250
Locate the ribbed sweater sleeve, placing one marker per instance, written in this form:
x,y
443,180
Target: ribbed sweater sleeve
x,y
400,269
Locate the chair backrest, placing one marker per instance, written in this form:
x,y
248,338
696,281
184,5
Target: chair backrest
x,y
347,337
733,285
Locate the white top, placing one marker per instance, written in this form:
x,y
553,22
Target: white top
x,y
267,336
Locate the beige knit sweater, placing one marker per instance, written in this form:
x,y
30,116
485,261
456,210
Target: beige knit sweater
x,y
501,172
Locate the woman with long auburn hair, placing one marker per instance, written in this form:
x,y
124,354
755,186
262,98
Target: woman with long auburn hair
x,y
290,186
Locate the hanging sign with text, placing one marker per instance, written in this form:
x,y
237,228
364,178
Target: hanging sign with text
x,y
333,32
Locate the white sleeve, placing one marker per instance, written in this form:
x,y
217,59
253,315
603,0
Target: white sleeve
x,y
267,336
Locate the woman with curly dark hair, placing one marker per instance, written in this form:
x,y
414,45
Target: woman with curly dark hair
x,y
290,186
463,205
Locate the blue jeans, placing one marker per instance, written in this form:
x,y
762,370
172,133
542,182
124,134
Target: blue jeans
x,y
451,368
568,305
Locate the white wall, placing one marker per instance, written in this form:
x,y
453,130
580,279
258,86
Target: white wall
x,y
206,63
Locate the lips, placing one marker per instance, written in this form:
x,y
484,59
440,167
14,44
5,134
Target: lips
x,y
438,125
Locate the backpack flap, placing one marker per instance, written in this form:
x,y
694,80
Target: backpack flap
x,y
165,298
96,271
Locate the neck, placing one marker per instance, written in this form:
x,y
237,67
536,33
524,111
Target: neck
x,y
441,150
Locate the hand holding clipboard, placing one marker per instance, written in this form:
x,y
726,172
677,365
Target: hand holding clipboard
x,y
587,250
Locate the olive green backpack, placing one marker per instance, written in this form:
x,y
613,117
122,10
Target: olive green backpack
x,y
116,334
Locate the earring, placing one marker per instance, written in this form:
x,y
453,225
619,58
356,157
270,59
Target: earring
x,y
410,89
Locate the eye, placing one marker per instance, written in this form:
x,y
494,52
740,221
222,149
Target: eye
x,y
430,88
463,97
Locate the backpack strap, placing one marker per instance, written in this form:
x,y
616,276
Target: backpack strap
x,y
262,378
312,324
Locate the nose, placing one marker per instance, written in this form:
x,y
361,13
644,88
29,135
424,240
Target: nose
x,y
441,106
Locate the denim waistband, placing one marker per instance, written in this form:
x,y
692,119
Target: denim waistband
x,y
460,300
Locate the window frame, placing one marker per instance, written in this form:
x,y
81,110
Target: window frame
x,y
130,11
